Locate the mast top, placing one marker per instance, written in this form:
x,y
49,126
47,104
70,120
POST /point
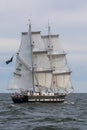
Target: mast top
x,y
49,29
29,25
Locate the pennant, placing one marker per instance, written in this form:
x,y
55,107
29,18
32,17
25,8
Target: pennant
x,y
8,61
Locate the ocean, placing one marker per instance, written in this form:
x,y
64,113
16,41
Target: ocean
x,y
70,115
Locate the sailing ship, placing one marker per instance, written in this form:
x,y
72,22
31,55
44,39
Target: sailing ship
x,y
41,72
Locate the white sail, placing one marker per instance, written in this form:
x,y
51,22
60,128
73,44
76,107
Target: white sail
x,y
25,49
57,48
59,62
42,69
55,44
41,62
61,71
61,80
22,76
37,42
43,79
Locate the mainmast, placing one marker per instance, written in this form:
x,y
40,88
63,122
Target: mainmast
x,y
50,50
49,39
30,35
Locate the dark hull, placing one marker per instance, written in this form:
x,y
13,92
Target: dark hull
x,y
42,99
19,99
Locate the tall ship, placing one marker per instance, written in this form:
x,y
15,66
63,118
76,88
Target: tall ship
x,y
41,72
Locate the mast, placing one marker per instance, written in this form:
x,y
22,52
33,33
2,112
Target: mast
x,y
49,38
50,50
31,53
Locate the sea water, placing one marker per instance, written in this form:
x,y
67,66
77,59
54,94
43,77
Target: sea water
x,y
70,115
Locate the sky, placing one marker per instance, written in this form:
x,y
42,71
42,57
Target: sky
x,y
68,18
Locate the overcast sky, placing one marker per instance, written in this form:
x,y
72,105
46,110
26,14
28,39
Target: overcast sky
x,y
67,18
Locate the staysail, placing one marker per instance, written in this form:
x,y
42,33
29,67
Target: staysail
x,y
22,76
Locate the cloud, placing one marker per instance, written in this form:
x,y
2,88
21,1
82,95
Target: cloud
x,y
79,59
67,17
9,45
6,68
15,13
75,47
80,86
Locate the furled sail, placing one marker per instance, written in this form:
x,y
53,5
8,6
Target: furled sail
x,y
22,76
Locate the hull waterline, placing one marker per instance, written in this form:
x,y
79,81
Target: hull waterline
x,y
42,99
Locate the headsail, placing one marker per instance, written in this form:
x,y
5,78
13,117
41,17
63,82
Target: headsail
x,y
22,76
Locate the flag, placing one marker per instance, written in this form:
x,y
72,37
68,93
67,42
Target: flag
x,y
10,60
